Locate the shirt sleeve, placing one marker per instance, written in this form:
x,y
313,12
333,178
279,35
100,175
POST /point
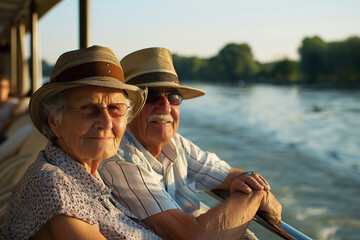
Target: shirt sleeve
x,y
206,169
136,187
40,196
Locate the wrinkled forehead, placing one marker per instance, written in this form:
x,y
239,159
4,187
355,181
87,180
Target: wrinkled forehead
x,y
94,94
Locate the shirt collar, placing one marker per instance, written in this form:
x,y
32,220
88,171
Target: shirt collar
x,y
168,150
75,170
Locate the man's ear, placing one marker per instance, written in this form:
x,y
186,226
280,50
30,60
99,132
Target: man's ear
x,y
54,125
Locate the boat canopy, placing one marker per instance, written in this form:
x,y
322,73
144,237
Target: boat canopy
x,y
17,18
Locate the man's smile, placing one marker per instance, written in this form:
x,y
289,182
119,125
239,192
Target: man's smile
x,y
160,118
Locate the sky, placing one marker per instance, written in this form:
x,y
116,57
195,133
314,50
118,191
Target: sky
x,y
273,29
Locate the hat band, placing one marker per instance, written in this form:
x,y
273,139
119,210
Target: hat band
x,y
92,69
153,77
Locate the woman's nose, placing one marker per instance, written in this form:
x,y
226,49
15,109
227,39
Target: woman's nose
x,y
104,120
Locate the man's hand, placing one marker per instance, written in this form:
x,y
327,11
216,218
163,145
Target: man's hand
x,y
270,208
239,180
248,181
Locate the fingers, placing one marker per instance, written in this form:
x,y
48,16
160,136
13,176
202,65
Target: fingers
x,y
255,181
262,181
239,186
271,206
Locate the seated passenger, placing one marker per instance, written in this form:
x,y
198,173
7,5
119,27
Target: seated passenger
x,y
7,105
157,172
83,112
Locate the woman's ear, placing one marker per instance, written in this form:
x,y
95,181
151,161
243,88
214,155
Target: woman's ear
x,y
54,125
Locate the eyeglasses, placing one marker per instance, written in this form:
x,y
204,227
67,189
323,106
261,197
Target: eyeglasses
x,y
173,98
93,110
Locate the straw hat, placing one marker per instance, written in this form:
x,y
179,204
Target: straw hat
x,y
153,68
93,66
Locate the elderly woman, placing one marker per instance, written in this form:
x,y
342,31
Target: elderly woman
x,y
83,112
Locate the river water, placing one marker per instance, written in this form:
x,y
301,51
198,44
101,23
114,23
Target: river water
x,y
305,142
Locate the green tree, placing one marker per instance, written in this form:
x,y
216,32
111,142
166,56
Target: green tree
x,y
343,60
213,70
312,58
285,71
188,68
46,68
237,62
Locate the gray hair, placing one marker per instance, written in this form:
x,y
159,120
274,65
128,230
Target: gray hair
x,y
55,106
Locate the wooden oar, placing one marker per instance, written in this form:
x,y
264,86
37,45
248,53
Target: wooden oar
x,y
281,229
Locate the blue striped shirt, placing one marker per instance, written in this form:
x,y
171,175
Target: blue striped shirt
x,y
148,185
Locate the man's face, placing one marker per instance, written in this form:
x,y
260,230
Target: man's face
x,y
158,121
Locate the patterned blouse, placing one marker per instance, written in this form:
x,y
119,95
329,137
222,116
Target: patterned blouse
x,y
56,184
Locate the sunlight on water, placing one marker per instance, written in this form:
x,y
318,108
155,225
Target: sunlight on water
x,y
306,142
327,233
271,109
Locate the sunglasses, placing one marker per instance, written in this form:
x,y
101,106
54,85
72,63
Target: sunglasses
x,y
92,110
173,98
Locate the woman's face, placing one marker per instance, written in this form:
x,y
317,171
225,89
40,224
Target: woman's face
x,y
88,137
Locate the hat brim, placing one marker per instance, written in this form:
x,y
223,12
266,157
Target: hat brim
x,y
136,95
186,92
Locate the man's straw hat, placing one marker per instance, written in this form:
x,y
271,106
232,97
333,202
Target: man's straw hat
x,y
153,68
93,66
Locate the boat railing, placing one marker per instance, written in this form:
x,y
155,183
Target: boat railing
x,y
282,229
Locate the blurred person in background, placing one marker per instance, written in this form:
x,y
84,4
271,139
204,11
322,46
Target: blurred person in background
x,y
7,105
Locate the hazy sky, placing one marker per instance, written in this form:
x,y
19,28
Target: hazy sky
x,y
273,29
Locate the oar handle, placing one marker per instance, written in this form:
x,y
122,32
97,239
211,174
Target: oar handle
x,y
281,228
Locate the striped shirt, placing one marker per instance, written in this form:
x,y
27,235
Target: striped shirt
x,y
148,185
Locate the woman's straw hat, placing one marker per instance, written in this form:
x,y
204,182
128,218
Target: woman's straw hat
x,y
153,68
93,66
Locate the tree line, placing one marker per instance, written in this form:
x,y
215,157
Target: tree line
x,y
331,63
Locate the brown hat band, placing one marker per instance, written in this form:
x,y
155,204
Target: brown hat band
x,y
92,69
153,77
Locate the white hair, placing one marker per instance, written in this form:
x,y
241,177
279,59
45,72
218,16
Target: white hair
x,y
53,107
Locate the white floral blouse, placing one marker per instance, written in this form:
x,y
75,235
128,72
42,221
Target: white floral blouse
x,y
57,184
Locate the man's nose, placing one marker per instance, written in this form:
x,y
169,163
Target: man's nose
x,y
163,104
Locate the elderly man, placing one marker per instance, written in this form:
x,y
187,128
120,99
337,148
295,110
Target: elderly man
x,y
157,172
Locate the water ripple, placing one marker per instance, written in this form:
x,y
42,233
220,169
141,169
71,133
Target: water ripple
x,y
305,142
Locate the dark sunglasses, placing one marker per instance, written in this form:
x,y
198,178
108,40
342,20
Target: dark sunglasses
x,y
93,110
173,98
